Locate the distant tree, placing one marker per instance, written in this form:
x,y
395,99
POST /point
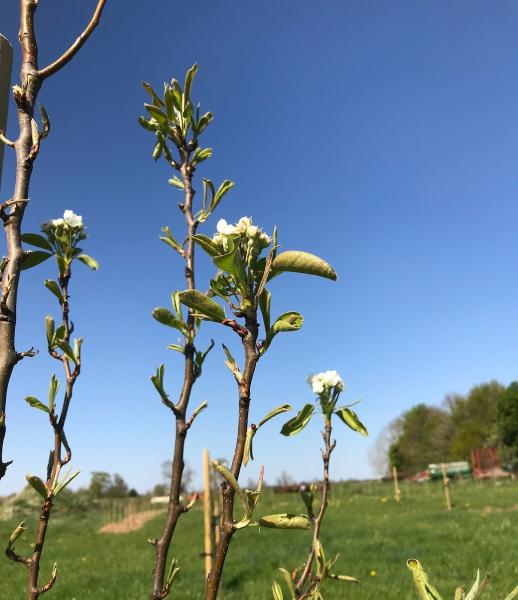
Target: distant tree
x,y
424,438
474,419
284,479
99,484
508,426
187,477
118,487
160,489
103,485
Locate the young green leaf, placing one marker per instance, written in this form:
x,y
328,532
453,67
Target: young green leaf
x,y
169,239
31,259
285,521
189,78
277,591
36,240
35,482
35,403
166,317
232,263
290,321
88,261
289,582
201,304
16,534
67,349
149,89
176,182
49,327
225,187
173,572
65,481
248,452
201,154
265,300
297,424
273,413
303,262
347,578
53,287
424,588
207,244
53,390
350,418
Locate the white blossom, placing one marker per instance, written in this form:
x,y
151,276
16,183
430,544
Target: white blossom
x,y
243,224
225,228
71,219
326,380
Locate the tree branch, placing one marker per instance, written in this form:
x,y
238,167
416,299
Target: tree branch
x,y
76,46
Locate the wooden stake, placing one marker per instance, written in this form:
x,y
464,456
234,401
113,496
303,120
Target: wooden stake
x,y
446,484
397,491
207,513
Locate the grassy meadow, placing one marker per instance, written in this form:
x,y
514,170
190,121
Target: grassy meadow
x,y
373,534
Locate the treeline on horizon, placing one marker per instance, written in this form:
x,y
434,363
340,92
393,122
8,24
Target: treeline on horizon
x,y
486,417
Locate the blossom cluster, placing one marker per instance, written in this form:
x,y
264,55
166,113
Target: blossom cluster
x,y
325,381
69,218
253,239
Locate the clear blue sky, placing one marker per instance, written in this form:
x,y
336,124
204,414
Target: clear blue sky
x,y
381,136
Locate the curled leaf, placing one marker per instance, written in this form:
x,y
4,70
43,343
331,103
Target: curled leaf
x,y
297,424
285,521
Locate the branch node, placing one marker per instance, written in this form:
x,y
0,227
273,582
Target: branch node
x,y
28,353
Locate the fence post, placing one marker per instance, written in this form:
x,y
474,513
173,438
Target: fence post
x,y
446,484
6,60
397,491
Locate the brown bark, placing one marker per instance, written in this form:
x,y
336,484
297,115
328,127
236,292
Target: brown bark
x,y
176,508
305,578
227,529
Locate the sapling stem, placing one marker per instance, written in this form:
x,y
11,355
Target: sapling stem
x,y
27,147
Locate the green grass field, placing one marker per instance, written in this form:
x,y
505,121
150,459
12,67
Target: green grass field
x,y
373,534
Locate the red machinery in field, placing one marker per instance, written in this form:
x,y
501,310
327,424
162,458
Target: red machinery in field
x,y
486,464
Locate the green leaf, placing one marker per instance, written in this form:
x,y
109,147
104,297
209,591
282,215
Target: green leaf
x,y
176,182
207,244
478,587
53,390
149,89
199,409
65,481
89,261
35,403
53,287
347,578
225,187
232,364
277,591
156,113
201,304
148,124
232,263
233,482
203,122
289,582
49,327
173,572
16,534
303,262
189,78
31,259
273,413
424,588
170,240
78,342
248,452
350,418
67,349
201,154
265,300
166,317
35,482
175,347
36,240
290,321
297,424
285,521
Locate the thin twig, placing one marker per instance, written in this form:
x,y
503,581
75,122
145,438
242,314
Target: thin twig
x,y
75,47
